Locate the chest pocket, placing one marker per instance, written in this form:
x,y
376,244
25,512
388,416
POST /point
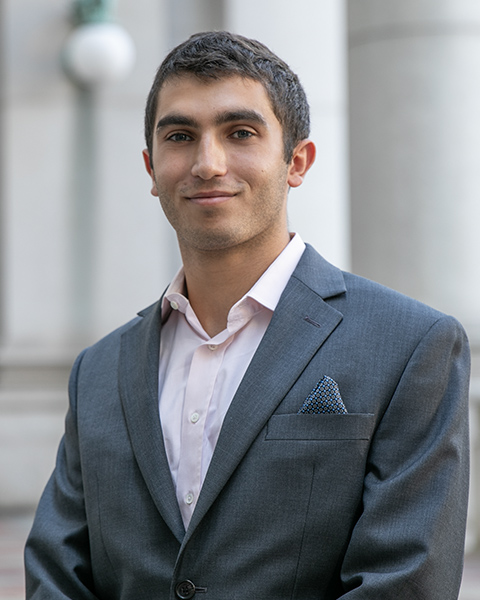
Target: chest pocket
x,y
320,427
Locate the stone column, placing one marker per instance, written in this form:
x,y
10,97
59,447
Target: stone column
x,y
414,94
84,244
415,148
187,17
310,36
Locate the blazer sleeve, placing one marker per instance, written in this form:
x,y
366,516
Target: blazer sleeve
x,y
57,554
408,541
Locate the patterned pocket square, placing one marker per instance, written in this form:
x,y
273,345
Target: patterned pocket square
x,y
324,398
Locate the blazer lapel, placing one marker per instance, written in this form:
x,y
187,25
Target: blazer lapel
x,y
138,379
300,324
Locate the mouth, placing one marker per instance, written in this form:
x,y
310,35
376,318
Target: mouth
x,y
211,197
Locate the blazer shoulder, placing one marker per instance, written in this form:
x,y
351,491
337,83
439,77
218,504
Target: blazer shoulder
x,y
110,343
377,293
400,314
367,301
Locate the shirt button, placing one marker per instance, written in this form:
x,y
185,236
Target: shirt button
x,y
212,347
174,305
189,498
194,417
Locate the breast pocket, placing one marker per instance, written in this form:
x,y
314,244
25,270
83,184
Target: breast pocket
x,y
320,427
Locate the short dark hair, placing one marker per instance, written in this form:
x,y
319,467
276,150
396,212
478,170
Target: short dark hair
x,y
217,54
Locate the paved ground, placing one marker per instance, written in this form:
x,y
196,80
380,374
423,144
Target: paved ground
x,y
471,579
14,530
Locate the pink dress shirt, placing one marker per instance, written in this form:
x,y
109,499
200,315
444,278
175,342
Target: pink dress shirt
x,y
199,375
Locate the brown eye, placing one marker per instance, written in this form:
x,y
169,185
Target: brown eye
x,y
179,137
242,134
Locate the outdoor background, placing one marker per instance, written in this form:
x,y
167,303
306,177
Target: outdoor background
x,y
394,89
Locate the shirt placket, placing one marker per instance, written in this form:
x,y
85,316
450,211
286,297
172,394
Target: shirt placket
x,y
206,363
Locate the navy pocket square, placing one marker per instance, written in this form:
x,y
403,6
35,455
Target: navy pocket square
x,y
324,398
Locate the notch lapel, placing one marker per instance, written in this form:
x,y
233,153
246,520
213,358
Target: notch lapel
x,y
139,355
300,324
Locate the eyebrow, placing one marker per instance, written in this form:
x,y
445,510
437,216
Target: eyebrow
x,y
176,119
240,115
221,119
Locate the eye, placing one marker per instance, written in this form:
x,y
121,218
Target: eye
x,y
242,134
179,137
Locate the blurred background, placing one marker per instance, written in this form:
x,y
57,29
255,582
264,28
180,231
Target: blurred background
x,y
394,89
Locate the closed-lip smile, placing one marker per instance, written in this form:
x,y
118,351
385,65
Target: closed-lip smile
x,y
211,197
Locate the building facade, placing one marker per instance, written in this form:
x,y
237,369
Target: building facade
x,y
393,194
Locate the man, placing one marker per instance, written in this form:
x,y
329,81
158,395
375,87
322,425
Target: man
x,y
272,428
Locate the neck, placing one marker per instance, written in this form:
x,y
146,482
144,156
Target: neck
x,y
216,280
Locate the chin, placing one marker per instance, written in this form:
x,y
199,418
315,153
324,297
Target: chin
x,y
215,241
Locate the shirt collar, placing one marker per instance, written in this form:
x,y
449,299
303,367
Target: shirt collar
x,y
266,291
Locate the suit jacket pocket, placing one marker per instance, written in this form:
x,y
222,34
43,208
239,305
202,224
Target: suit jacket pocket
x,y
320,427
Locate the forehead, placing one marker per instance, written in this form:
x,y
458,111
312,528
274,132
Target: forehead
x,y
187,93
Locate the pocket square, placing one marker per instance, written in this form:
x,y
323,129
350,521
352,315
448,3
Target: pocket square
x,y
324,398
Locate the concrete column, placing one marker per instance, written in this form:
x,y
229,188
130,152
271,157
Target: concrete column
x,y
187,17
415,148
414,97
84,244
310,36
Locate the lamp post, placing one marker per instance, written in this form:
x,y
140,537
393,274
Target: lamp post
x,y
97,52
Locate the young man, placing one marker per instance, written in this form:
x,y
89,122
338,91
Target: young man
x,y
272,428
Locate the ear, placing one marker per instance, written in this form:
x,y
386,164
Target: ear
x,y
303,158
148,166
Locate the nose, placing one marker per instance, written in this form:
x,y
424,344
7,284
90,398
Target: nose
x,y
210,159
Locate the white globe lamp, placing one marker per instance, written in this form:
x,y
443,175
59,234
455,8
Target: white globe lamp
x,y
98,53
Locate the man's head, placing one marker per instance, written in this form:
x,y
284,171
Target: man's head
x,y
215,55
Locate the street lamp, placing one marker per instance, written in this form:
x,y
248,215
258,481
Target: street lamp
x,y
97,51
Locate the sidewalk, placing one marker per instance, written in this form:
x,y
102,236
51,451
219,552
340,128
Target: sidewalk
x,y
14,530
471,579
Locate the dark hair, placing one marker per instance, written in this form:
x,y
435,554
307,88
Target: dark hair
x,y
217,54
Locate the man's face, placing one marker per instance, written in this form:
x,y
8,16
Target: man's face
x,y
217,163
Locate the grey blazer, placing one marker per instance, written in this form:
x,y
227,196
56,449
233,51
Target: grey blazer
x,y
365,505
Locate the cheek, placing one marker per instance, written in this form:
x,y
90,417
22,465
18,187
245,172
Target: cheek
x,y
265,161
167,179
254,169
171,167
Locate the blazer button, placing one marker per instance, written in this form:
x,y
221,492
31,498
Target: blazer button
x,y
185,590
